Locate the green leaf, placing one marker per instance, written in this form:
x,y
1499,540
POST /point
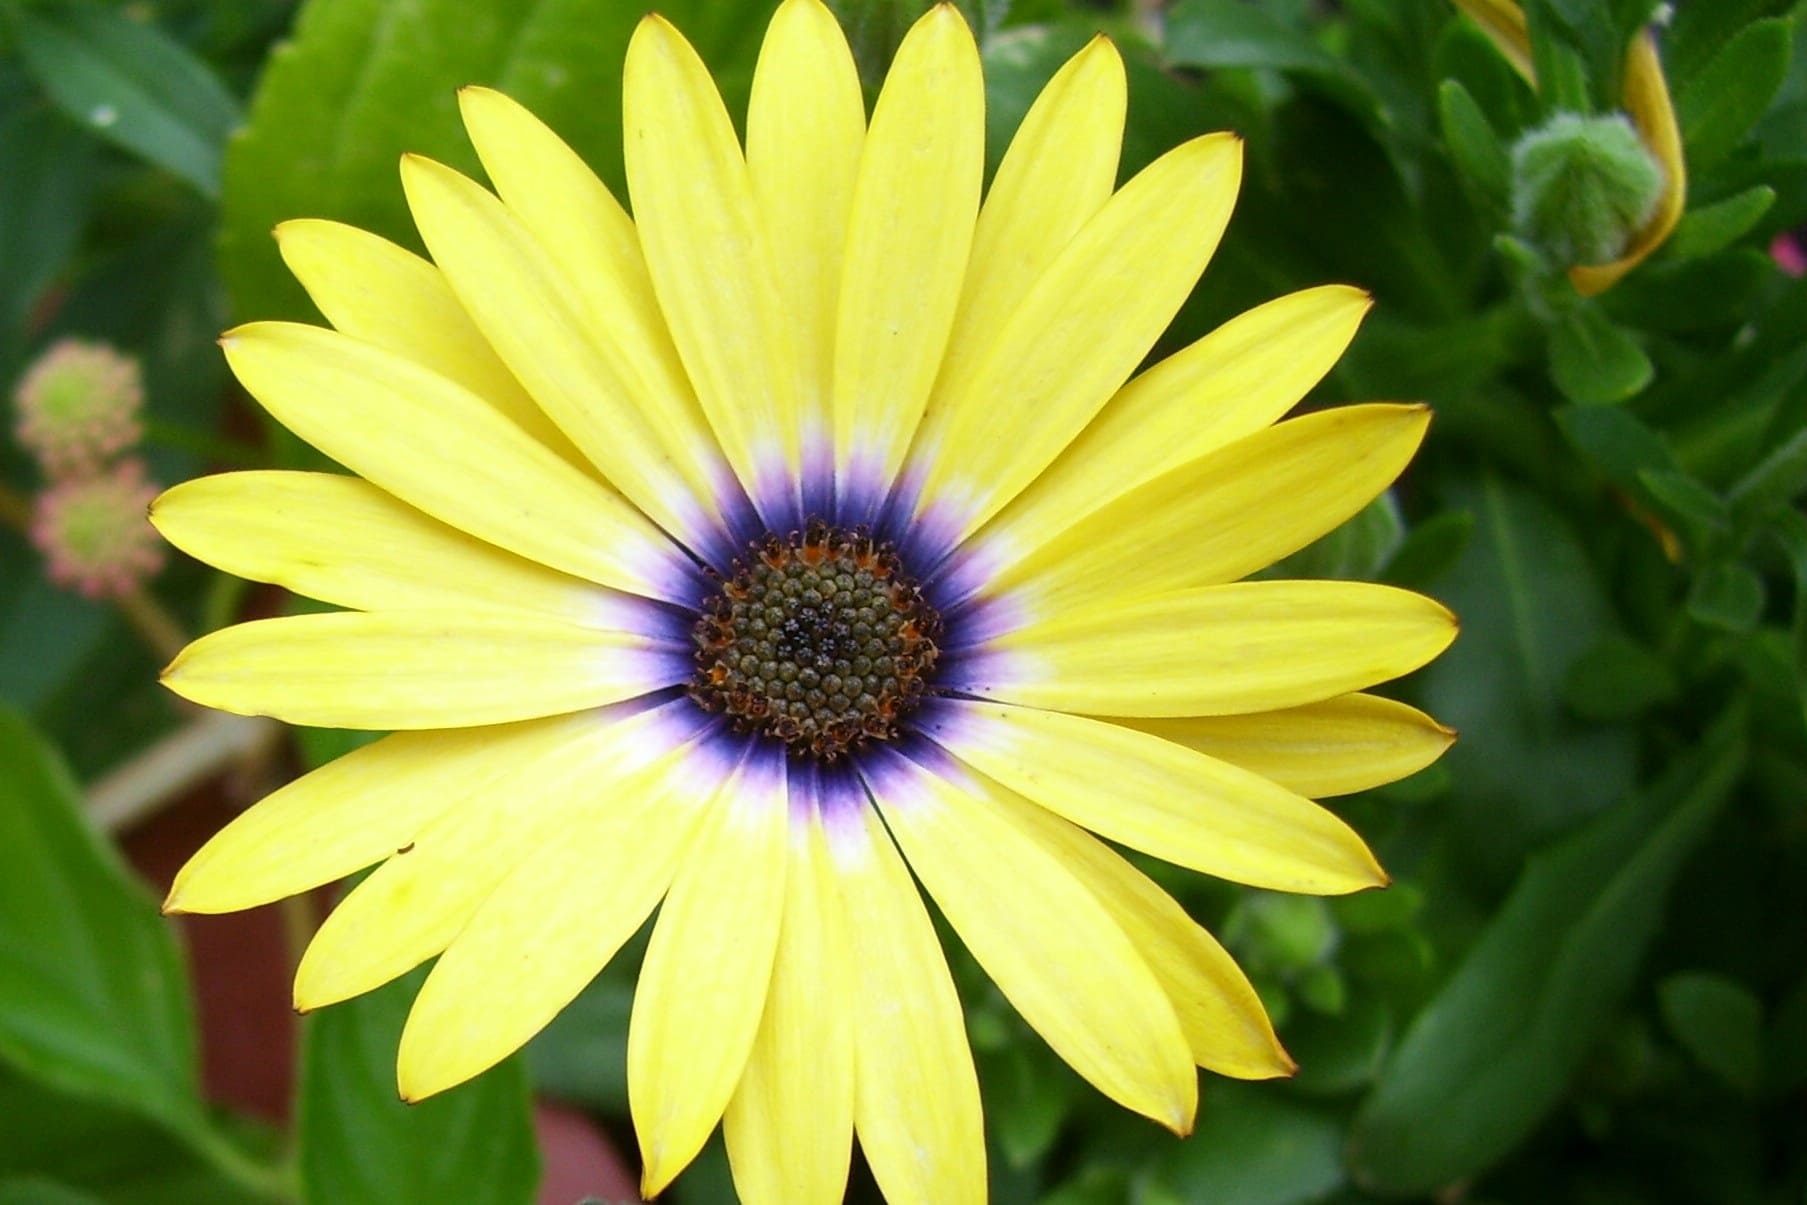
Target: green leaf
x,y
132,85
363,81
36,1191
1494,1049
581,1057
1028,1094
1618,443
1355,550
1717,226
1340,1054
1717,1021
1722,102
1530,605
1776,481
1728,596
93,1001
1429,550
1218,34
1255,1146
1473,146
1790,530
473,1144
46,191
1594,362
1617,679
1701,513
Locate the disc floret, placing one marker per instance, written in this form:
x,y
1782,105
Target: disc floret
x,y
818,639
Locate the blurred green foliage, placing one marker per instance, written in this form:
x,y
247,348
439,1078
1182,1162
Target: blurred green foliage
x,y
1590,980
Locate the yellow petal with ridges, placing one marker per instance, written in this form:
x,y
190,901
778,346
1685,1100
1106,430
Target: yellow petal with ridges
x,y
1046,941
789,1128
346,542
1218,650
806,122
1213,519
1233,382
914,208
417,669
1336,747
1224,1021
711,268
351,813
1060,167
545,932
644,442
1073,340
438,447
412,906
594,252
384,294
708,967
1504,24
1161,798
916,1095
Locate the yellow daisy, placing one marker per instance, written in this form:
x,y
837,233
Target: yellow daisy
x,y
803,538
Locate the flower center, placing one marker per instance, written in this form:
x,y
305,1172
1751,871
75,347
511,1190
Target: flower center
x,y
818,639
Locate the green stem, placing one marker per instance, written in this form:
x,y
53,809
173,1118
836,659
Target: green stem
x,y
268,1181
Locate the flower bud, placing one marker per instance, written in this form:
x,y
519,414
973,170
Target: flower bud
x,y
1582,187
78,406
95,533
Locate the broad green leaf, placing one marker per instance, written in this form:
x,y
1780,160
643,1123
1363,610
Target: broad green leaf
x,y
1717,226
1429,550
1255,1146
1230,34
1595,362
1355,550
1618,443
1728,596
1697,31
38,1191
93,1001
1719,1022
1028,1094
1473,146
132,85
1530,604
1494,1049
1617,679
1342,1053
1701,513
46,191
364,81
359,1142
581,1057
1724,101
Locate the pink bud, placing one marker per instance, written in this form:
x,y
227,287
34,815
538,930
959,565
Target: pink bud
x,y
94,532
78,406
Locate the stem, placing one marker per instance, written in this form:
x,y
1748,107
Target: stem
x,y
269,1181
177,763
153,623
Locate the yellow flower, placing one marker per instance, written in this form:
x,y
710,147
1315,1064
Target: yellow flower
x,y
797,536
1647,105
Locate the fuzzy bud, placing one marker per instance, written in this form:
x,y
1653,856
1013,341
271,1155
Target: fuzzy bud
x,y
95,533
78,406
1582,187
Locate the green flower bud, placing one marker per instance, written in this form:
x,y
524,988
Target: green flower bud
x,y
1582,187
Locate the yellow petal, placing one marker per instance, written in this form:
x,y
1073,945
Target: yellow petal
x,y
806,122
436,446
916,1096
1646,100
912,228
1059,170
1214,519
344,541
595,254
1219,650
1161,798
1046,941
707,969
1080,331
1235,381
1336,747
644,441
711,269
384,294
418,669
590,772
789,1128
352,813
546,931
1223,1019
1504,24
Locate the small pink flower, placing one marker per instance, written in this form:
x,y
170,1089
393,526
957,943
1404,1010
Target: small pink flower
x,y
1786,250
94,531
78,405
